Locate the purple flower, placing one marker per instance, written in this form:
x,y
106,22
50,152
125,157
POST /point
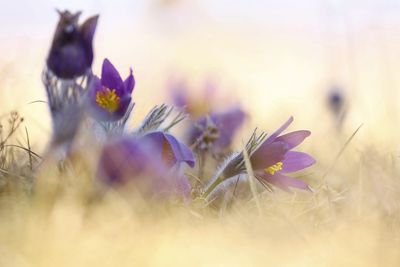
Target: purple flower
x,y
179,94
197,106
210,129
110,96
273,160
218,130
151,162
71,52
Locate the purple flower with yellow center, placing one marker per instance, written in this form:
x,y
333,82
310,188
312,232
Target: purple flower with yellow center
x,y
217,130
271,161
152,162
110,96
71,52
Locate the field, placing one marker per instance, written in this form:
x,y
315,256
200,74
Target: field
x,y
55,212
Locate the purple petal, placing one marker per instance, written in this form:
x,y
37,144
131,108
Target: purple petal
x,y
69,61
181,152
95,110
166,147
293,139
122,160
296,161
94,87
155,142
284,182
110,77
180,98
130,160
273,136
227,123
129,83
268,154
123,107
87,30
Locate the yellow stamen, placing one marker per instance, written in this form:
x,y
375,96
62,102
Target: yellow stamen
x,y
274,168
108,99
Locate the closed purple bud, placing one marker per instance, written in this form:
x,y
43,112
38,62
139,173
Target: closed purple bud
x,y
71,53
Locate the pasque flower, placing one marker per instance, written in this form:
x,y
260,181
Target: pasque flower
x,y
70,56
110,96
272,161
152,162
217,130
71,52
213,128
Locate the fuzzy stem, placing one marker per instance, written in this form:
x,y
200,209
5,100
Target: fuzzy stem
x,y
213,185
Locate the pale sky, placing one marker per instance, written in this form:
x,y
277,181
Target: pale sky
x,y
35,16
268,54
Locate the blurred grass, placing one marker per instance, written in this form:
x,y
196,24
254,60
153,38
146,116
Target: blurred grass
x,y
350,219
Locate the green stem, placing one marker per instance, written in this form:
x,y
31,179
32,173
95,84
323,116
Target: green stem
x,y
213,185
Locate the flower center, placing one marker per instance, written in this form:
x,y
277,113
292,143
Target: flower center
x,y
108,99
274,168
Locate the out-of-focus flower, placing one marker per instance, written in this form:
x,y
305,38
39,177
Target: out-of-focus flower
x,y
335,101
151,162
337,105
217,130
110,96
71,53
196,106
213,128
271,160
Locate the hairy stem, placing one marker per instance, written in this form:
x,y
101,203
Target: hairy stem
x,y
213,185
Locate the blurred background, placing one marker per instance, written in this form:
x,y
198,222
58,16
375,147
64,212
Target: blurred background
x,y
332,64
275,58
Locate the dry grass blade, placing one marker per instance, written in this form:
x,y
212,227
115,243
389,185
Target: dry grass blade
x,y
29,148
252,179
340,153
37,101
